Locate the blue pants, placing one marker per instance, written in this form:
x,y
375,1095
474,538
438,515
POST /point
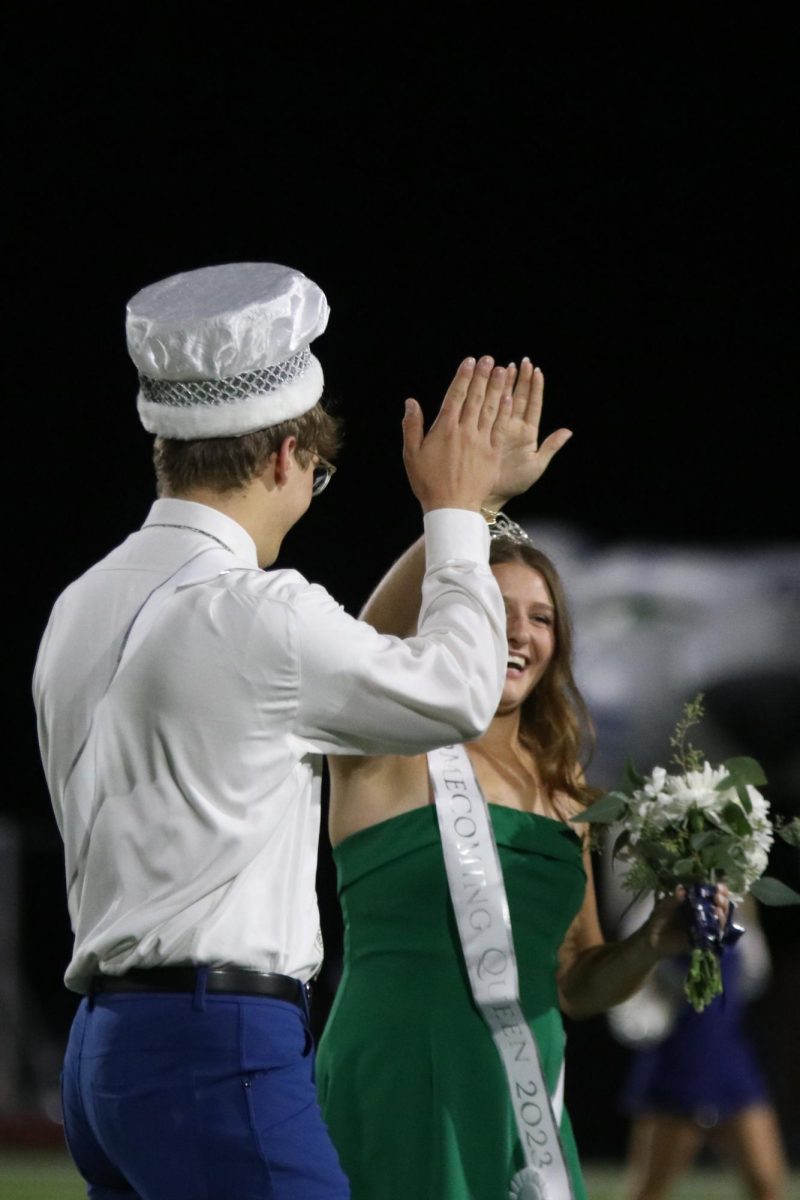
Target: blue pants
x,y
196,1097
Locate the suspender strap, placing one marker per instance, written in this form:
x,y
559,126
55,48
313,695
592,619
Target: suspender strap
x,y
480,905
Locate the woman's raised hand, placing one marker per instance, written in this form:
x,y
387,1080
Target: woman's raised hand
x,y
523,461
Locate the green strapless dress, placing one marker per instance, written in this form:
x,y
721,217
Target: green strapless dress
x,y
411,1085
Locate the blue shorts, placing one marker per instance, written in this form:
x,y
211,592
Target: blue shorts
x,y
178,1097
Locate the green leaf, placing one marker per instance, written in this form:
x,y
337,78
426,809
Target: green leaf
x,y
631,779
772,891
620,843
655,852
790,831
744,799
606,810
699,841
684,868
696,821
720,856
741,771
735,819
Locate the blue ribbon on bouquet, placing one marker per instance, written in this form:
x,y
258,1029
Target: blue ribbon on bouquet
x,y
703,923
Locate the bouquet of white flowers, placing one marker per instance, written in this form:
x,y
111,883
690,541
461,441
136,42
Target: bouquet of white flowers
x,y
698,827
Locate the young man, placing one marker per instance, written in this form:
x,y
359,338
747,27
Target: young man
x,y
184,698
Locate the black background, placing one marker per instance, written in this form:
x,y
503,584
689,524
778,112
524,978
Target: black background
x,y
607,190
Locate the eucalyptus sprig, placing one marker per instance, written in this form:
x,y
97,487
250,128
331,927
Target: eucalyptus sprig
x,y
685,755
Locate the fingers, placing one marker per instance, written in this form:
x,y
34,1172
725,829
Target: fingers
x,y
533,409
511,377
552,444
502,419
487,411
413,429
722,904
474,386
528,390
477,387
667,925
456,394
476,392
522,388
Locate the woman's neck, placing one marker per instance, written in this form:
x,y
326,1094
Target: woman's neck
x,y
503,733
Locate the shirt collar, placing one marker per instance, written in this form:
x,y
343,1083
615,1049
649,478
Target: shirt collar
x,y
188,513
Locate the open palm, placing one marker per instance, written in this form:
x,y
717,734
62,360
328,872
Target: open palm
x,y
523,460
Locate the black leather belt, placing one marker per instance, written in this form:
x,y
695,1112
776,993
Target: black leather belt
x,y
229,980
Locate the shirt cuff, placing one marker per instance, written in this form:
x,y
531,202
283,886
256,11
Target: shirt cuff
x,y
455,533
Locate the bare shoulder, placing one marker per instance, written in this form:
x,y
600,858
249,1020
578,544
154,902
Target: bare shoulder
x,y
565,807
365,791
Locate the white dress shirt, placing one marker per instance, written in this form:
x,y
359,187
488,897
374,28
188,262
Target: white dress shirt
x,y
184,697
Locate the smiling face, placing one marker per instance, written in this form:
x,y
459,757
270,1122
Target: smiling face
x,y
530,624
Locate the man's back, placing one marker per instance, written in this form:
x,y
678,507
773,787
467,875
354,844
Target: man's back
x,y
184,697
164,724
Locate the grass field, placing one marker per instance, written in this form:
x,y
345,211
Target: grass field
x,y
48,1175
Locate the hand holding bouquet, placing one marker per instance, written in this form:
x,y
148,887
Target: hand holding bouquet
x,y
695,828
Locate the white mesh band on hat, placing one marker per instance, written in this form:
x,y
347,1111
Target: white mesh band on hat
x,y
224,350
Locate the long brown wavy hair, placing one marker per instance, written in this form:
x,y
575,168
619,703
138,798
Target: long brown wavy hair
x,y
554,721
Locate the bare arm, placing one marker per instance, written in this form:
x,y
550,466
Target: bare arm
x,y
594,975
394,605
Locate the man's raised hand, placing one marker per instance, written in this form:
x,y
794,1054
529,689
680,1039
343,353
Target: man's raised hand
x,y
456,464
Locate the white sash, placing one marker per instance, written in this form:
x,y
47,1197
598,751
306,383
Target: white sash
x,y
479,901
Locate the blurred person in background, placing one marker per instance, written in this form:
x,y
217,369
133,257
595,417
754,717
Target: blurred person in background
x,y
694,1079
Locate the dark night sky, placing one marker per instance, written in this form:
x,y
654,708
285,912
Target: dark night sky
x,y
610,194
612,197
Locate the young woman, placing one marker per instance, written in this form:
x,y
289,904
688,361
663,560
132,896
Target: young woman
x,y
412,1086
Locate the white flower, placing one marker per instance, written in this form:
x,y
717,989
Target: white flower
x,y
697,789
661,809
705,780
654,785
760,805
757,860
763,836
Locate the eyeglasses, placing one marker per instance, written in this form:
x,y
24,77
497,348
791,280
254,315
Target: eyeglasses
x,y
323,473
